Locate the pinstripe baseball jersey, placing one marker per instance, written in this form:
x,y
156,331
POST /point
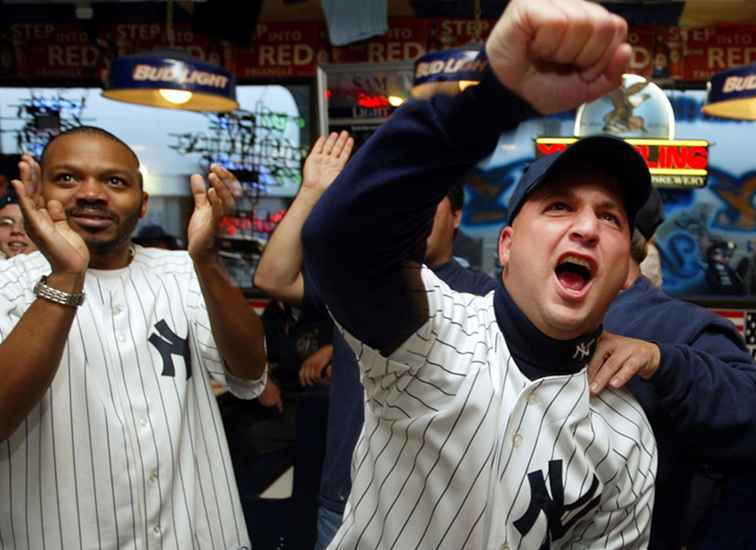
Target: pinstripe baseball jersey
x,y
126,449
460,450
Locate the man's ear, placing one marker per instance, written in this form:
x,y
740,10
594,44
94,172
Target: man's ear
x,y
505,245
457,217
145,202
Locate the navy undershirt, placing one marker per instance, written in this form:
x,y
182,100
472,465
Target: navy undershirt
x,y
536,354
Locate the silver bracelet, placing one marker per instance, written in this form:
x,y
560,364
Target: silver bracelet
x,y
43,290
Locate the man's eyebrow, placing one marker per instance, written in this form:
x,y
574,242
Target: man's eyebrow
x,y
106,171
112,169
611,203
545,194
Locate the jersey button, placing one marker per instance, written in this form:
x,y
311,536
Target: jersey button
x,y
121,337
532,396
156,530
153,476
517,440
117,309
504,546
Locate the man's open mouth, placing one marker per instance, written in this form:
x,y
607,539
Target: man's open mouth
x,y
575,272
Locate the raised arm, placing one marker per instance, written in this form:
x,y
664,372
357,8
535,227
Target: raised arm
x,y
365,239
237,330
31,351
280,270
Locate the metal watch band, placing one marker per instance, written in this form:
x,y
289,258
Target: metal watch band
x,y
42,290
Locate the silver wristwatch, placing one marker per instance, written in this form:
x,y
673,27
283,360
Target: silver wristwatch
x,y
42,290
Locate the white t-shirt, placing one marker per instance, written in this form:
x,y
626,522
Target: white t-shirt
x,y
126,449
460,450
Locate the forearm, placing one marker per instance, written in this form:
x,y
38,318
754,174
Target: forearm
x,y
31,354
374,219
280,268
237,330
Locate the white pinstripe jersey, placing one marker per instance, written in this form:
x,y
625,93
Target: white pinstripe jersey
x,y
125,450
461,450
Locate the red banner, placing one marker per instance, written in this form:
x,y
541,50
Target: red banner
x,y
713,49
282,50
41,52
453,33
52,51
406,40
64,51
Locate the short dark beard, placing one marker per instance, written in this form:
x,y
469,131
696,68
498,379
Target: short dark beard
x,y
125,229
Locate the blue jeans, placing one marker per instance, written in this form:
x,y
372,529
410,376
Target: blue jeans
x,y
328,523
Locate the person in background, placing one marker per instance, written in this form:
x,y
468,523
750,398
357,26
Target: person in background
x,y
13,237
154,236
267,435
721,278
649,219
110,434
699,399
285,280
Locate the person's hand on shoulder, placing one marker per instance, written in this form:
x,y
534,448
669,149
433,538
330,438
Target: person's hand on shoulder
x,y
618,358
46,223
210,205
557,54
326,160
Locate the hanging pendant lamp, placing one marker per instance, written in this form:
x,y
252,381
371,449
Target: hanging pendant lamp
x,y
171,79
451,70
448,71
732,94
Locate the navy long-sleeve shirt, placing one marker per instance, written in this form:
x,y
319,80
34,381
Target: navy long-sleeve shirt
x,y
701,403
365,239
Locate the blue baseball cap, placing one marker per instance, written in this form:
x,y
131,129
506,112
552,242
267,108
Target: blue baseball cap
x,y
612,154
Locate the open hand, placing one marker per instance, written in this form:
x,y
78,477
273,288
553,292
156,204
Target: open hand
x,y
210,205
46,224
618,358
557,54
326,160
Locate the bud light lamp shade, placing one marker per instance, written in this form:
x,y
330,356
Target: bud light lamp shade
x,y
732,94
171,80
447,71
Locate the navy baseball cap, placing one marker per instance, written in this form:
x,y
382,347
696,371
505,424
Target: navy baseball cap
x,y
650,216
610,153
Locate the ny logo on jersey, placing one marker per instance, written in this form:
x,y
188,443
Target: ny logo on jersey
x,y
553,506
168,344
583,350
